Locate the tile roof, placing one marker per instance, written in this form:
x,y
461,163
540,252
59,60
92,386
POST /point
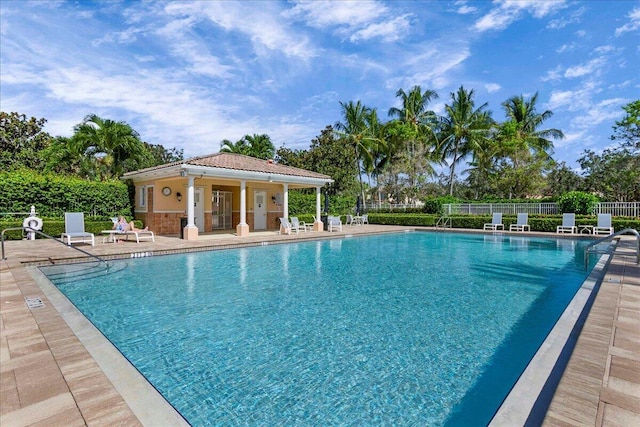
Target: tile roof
x,y
238,162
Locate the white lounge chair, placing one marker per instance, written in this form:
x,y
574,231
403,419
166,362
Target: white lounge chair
x,y
74,229
285,226
140,235
297,225
334,223
495,223
365,219
604,225
568,224
349,220
522,223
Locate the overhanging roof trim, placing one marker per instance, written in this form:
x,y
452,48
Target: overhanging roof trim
x,y
212,172
235,166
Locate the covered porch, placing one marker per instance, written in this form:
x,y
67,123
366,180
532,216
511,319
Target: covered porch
x,y
219,192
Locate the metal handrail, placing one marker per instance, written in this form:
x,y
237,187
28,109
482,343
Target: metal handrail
x,y
49,237
588,249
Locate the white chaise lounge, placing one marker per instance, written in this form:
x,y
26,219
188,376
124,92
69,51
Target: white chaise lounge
x,y
568,224
495,223
604,225
522,223
74,229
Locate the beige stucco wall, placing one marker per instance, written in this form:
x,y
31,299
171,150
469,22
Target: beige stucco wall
x,y
162,213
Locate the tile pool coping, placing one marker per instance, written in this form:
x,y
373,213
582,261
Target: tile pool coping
x,y
174,246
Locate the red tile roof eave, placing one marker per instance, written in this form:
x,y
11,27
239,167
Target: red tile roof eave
x,y
227,161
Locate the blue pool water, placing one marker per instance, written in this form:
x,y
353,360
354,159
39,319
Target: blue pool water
x,y
404,329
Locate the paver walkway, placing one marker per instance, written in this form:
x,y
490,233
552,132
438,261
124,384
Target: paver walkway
x,y
601,383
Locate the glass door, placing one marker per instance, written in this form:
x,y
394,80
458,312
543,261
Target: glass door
x,y
221,209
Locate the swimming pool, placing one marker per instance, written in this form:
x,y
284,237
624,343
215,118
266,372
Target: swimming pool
x,y
416,328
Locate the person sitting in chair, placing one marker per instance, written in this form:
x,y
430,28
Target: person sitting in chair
x,y
124,226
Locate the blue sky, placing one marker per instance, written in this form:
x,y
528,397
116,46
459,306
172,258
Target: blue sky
x,y
190,74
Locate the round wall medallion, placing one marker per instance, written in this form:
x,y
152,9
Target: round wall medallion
x,y
166,191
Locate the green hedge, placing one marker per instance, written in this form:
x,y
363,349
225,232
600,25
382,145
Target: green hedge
x,y
536,222
52,195
55,227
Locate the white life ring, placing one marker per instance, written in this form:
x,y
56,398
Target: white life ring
x,y
32,222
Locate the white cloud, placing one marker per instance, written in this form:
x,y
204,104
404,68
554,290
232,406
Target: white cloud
x,y
263,26
508,11
357,20
437,74
573,18
201,62
572,100
633,24
328,14
120,37
607,110
554,74
604,49
585,69
388,30
492,87
566,47
464,8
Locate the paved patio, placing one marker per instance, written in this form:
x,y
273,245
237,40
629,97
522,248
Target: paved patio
x,y
48,377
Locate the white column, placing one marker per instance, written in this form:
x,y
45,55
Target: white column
x,y
243,202
318,199
285,204
190,201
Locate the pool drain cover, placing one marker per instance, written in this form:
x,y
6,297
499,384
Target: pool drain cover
x,y
34,302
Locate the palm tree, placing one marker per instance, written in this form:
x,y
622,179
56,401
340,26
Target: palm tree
x,y
528,147
525,120
109,142
238,147
357,132
419,123
462,129
259,146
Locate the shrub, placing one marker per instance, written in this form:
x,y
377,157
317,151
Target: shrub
x,y
433,205
52,195
577,201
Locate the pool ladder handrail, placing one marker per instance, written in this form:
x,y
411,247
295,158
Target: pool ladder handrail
x,y
443,222
589,249
48,237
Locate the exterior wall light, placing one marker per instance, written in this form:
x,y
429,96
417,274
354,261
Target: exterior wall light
x,y
179,196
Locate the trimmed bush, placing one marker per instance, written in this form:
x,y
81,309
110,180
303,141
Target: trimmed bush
x,y
433,205
542,223
578,202
52,195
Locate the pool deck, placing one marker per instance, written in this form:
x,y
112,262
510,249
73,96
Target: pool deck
x,y
48,377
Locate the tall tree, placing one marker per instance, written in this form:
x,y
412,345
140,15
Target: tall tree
x,y
419,134
527,147
614,174
627,130
259,146
109,143
462,129
329,155
356,132
21,141
561,179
